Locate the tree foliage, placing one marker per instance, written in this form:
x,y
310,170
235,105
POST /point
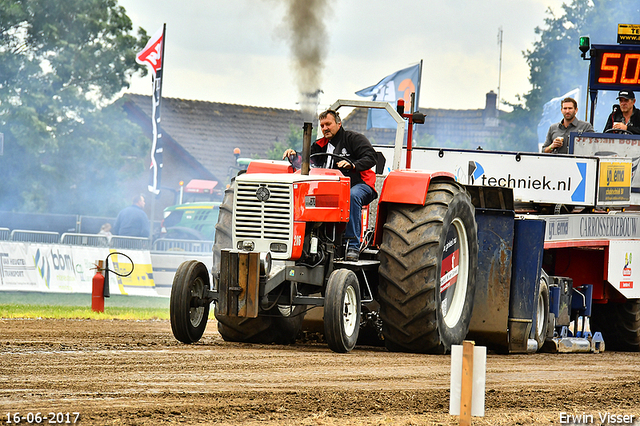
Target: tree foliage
x,y
293,140
555,63
61,64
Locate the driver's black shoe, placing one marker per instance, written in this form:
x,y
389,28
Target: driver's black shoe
x,y
352,255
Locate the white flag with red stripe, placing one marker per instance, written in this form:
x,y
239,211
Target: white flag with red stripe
x,y
151,55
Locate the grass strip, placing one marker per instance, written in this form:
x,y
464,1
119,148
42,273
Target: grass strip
x,y
82,312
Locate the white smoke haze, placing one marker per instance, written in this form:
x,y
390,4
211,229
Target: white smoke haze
x,y
309,42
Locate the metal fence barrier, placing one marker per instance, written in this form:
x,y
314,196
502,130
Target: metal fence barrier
x,y
134,243
191,246
91,240
97,240
35,236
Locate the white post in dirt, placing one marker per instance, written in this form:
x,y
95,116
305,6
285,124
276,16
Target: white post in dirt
x,y
468,376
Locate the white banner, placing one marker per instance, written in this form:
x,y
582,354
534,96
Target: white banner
x,y
582,227
70,269
18,271
534,178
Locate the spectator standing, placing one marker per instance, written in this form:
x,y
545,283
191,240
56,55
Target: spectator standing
x,y
557,141
106,230
132,221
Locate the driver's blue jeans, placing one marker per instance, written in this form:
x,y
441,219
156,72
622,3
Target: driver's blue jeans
x,y
361,195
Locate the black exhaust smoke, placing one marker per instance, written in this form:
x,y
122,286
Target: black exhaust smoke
x,y
307,36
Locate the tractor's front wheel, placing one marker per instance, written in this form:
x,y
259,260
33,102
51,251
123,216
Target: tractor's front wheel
x,y
428,261
187,309
342,310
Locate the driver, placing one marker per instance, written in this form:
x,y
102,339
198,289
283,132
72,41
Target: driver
x,y
625,117
357,148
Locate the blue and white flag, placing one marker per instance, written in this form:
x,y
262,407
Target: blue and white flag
x,y
398,85
552,113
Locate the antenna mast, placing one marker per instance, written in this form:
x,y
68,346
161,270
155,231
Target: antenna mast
x,y
499,66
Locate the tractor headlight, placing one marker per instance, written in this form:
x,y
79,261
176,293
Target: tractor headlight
x,y
246,245
265,264
278,247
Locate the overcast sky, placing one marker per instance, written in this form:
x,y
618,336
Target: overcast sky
x,y
237,51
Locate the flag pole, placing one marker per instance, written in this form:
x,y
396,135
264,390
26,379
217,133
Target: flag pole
x,y
419,85
158,148
164,41
499,67
153,55
418,95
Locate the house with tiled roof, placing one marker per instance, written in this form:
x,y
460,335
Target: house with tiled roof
x,y
200,137
464,128
208,132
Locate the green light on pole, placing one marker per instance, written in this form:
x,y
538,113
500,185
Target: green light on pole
x,y
585,44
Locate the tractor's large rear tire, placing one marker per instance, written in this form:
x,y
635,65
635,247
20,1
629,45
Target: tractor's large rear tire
x,y
223,238
428,261
619,324
269,327
188,315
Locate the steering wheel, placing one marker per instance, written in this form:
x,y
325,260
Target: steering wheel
x,y
295,161
618,131
335,156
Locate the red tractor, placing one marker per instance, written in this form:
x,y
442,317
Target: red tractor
x,y
517,251
279,252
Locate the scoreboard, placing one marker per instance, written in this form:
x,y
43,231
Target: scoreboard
x,y
615,67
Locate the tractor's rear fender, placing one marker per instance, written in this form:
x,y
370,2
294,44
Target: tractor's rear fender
x,y
404,187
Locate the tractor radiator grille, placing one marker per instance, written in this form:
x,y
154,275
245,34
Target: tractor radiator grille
x,y
271,219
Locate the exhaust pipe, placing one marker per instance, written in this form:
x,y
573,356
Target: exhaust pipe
x,y
306,148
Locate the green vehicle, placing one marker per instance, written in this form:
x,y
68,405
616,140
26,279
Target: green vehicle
x,y
196,214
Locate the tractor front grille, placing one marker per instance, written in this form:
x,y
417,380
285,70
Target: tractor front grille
x,y
271,219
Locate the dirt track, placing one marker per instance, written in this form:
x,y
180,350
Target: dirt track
x,y
136,373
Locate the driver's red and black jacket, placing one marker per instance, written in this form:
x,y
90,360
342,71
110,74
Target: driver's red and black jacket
x,y
354,146
616,117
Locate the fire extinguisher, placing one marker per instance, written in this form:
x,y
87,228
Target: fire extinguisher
x,y
100,282
97,289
